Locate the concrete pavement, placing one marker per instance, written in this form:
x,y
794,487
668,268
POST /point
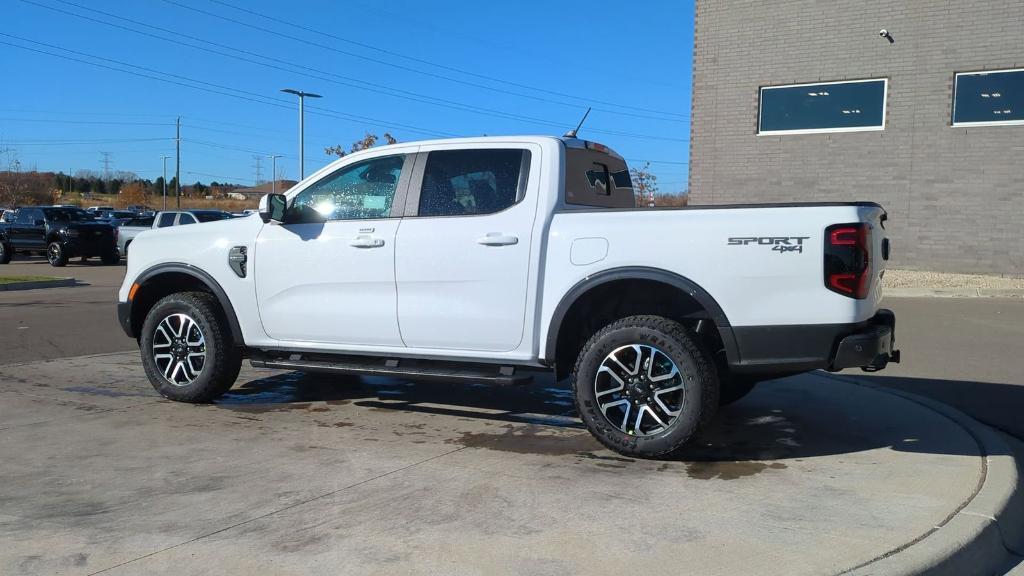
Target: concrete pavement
x,y
292,475
59,322
968,353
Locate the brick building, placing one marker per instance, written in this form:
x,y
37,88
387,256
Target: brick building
x,y
805,100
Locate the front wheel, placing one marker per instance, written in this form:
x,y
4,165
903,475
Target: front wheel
x,y
56,255
5,253
644,387
187,350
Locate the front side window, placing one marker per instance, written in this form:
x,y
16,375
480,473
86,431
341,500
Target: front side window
x,y
166,219
473,182
988,98
362,190
828,107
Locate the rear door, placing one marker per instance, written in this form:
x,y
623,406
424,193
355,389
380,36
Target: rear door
x,y
463,250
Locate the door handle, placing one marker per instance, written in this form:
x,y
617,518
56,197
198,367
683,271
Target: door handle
x,y
366,242
497,239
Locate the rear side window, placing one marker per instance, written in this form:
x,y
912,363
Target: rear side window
x,y
166,219
473,182
185,218
595,178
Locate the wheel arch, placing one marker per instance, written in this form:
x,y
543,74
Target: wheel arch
x,y
169,278
687,299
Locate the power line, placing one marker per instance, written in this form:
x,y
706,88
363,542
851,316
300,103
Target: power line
x,y
75,142
319,74
215,88
435,64
100,122
411,69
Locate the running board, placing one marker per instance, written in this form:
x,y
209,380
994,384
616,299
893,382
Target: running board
x,y
460,372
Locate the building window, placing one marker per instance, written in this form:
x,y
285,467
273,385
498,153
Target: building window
x,y
826,107
988,98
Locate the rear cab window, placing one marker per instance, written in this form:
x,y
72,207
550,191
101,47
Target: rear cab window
x,y
473,182
595,176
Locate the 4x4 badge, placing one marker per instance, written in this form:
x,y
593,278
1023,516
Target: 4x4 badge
x,y
780,244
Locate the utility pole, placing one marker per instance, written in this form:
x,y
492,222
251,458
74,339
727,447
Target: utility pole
x,y
273,174
177,161
106,167
302,96
259,169
165,181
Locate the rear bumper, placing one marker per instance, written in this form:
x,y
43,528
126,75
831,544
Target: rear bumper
x,y
770,351
870,349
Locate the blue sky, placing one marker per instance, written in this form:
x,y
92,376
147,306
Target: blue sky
x,y
417,69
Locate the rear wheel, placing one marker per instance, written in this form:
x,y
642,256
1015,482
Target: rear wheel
x,y
187,350
56,255
644,387
6,253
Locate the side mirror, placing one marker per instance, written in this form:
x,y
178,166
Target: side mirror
x,y
273,207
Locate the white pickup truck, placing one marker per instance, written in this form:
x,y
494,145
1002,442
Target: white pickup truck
x,y
488,259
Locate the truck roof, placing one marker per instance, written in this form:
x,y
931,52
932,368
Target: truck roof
x,y
570,142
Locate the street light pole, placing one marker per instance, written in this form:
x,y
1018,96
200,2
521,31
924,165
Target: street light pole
x,y
273,173
302,96
165,181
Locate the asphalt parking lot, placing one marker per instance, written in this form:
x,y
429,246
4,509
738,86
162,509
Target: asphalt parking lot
x,y
288,474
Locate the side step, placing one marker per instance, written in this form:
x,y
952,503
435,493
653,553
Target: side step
x,y
396,367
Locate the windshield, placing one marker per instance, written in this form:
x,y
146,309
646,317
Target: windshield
x,y
67,214
211,216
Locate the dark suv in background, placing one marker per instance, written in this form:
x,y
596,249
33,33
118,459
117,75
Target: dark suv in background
x,y
60,233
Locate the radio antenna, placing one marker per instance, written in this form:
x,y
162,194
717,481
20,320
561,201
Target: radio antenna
x,y
572,133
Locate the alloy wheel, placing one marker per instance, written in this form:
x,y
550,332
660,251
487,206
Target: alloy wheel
x,y
179,349
639,389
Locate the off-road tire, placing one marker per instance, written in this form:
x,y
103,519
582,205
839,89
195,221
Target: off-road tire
x,y
734,388
6,253
699,377
223,357
56,255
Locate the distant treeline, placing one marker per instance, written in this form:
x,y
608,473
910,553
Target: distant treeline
x,y
26,188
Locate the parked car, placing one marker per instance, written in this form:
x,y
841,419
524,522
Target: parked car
x,y
114,217
98,209
60,233
496,257
132,228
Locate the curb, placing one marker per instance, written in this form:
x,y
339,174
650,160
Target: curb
x,y
953,292
986,534
55,283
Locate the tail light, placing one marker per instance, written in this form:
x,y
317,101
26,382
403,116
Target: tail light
x,y
848,259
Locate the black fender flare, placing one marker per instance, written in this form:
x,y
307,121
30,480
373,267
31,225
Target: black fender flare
x,y
694,290
199,274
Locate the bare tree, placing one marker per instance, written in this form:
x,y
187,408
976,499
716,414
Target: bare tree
x,y
645,185
367,141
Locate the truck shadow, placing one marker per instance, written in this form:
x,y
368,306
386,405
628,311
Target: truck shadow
x,y
789,419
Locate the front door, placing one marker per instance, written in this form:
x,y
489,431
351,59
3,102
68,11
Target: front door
x,y
327,274
463,259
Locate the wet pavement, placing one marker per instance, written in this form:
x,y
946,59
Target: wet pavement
x,y
294,474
